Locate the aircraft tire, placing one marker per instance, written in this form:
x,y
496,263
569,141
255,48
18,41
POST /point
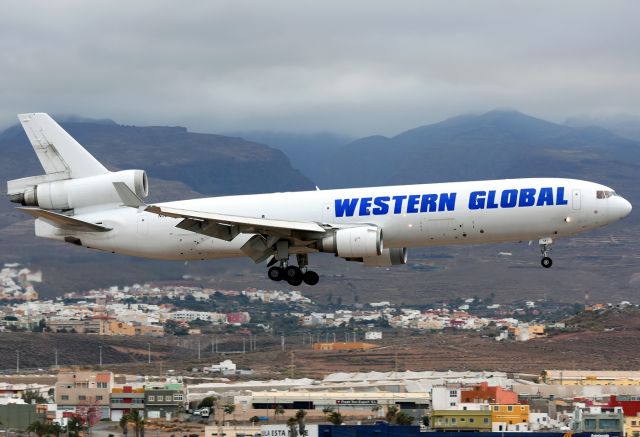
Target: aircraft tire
x,y
546,262
293,272
276,273
311,278
295,282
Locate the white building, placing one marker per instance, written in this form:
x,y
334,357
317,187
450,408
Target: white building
x,y
373,335
445,398
225,366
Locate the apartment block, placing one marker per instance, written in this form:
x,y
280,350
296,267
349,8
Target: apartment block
x,y
83,389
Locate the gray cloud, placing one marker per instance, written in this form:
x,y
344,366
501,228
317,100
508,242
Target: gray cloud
x,y
358,67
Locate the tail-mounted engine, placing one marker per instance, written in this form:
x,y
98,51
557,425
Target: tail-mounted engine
x,y
75,193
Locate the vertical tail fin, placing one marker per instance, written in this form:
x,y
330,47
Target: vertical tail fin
x,y
58,152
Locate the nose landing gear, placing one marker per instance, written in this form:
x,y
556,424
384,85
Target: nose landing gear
x,y
545,244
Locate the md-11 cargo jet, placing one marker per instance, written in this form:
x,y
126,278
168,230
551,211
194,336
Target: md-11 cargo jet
x,y
79,201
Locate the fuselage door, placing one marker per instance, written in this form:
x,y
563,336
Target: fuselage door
x,y
576,199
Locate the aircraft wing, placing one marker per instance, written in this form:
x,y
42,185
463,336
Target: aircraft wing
x,y
63,221
227,227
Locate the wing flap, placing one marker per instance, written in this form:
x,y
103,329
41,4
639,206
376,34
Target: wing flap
x,y
63,221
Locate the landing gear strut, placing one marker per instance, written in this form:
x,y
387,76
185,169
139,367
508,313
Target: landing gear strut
x,y
294,275
545,244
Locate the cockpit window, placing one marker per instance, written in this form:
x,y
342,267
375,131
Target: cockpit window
x,y
604,194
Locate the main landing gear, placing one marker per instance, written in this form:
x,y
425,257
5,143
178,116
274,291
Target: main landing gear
x,y
294,275
545,245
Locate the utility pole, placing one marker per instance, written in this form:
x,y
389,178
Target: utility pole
x,y
396,362
198,349
243,345
100,348
56,355
282,342
17,361
149,353
293,365
334,337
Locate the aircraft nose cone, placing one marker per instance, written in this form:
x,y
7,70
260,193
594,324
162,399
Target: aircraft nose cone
x,y
626,207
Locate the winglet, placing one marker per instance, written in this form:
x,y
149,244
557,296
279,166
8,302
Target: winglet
x,y
128,197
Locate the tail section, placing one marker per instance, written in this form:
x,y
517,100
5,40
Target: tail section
x,y
57,151
73,180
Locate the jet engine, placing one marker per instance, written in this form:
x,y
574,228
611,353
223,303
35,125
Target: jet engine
x,y
356,242
77,193
389,257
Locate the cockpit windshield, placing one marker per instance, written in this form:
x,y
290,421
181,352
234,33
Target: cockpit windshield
x,y
604,194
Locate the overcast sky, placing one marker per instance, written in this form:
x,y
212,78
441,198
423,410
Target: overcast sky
x,y
356,67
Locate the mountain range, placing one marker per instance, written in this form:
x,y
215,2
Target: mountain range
x,y
497,144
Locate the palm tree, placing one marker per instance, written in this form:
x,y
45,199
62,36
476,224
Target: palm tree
x,y
124,424
278,411
335,418
293,430
327,410
138,423
37,427
392,412
300,415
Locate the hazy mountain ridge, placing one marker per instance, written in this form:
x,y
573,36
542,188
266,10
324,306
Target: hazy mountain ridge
x,y
309,153
627,126
495,145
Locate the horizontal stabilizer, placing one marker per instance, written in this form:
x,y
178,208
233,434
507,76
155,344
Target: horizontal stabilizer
x,y
63,221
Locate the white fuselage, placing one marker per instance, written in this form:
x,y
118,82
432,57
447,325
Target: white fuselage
x,y
409,216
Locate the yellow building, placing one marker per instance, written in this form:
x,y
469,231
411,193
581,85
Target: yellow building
x,y
510,417
632,426
591,377
150,330
121,328
461,420
526,332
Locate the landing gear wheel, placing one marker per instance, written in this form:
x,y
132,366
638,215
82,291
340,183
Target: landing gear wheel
x,y
311,278
293,273
276,273
295,282
546,262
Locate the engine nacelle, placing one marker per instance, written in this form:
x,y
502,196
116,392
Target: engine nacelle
x,y
82,192
356,242
389,257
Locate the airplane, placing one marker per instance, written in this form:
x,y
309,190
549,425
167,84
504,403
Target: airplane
x,y
79,201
